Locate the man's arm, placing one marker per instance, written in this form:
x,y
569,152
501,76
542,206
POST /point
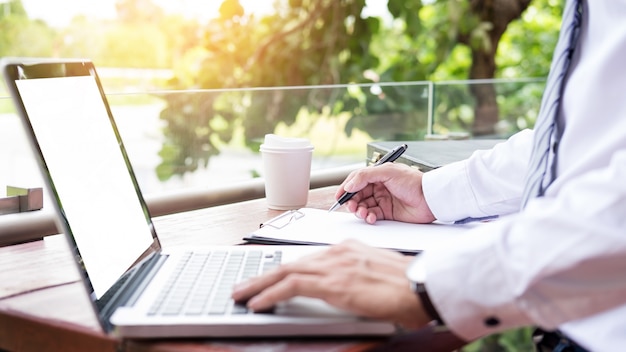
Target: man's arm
x,y
559,260
489,183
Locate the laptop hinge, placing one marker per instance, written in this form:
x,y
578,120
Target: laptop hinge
x,y
129,287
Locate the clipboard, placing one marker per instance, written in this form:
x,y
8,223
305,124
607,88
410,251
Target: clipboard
x,y
309,226
430,155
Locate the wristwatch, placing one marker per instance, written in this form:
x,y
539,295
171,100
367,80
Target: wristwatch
x,y
416,273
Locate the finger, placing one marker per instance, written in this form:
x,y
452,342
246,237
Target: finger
x,y
341,190
357,182
295,284
341,276
370,215
374,204
344,261
307,264
243,291
364,203
331,283
361,178
347,292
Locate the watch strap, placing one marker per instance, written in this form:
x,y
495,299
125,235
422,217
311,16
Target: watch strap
x,y
429,308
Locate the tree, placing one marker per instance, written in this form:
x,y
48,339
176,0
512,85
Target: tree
x,y
492,18
135,45
477,24
311,42
524,51
19,36
306,43
12,8
143,36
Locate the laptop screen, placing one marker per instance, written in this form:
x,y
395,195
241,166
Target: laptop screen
x,y
88,169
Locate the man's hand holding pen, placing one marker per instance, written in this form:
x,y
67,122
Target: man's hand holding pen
x,y
387,192
392,156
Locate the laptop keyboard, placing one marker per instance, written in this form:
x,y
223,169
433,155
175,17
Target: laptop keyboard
x,y
202,282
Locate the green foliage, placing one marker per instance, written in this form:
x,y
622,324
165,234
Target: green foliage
x,y
186,149
517,340
82,38
313,42
135,45
316,42
525,50
391,112
21,37
304,43
12,9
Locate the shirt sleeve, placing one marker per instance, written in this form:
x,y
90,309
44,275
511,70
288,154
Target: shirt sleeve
x,y
559,260
488,183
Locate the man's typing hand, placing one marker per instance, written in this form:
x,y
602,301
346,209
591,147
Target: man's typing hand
x,y
367,281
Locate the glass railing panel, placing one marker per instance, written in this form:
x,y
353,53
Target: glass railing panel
x,y
487,108
210,138
18,167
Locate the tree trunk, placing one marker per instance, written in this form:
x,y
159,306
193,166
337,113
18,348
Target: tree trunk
x,y
486,113
498,14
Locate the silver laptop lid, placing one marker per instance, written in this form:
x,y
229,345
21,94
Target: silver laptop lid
x,y
68,120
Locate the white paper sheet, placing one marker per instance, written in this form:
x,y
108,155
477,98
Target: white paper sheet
x,y
315,226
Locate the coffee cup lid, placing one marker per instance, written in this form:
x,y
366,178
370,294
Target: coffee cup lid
x,y
273,141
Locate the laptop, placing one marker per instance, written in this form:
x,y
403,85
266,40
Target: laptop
x,y
139,289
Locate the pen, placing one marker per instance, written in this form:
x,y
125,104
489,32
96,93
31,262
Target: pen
x,y
387,158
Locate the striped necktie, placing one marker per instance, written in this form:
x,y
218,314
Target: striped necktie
x,y
542,170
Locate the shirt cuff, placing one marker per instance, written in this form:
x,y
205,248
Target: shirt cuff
x,y
453,181
468,287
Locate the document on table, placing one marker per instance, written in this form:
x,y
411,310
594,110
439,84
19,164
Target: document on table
x,y
319,227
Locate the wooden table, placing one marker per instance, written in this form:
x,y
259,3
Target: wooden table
x,y
43,306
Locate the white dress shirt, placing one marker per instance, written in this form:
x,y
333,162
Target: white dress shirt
x,y
561,262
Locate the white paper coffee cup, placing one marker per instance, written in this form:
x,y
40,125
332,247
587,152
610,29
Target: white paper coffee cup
x,y
287,171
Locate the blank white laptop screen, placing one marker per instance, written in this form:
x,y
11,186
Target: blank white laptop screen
x,y
57,108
